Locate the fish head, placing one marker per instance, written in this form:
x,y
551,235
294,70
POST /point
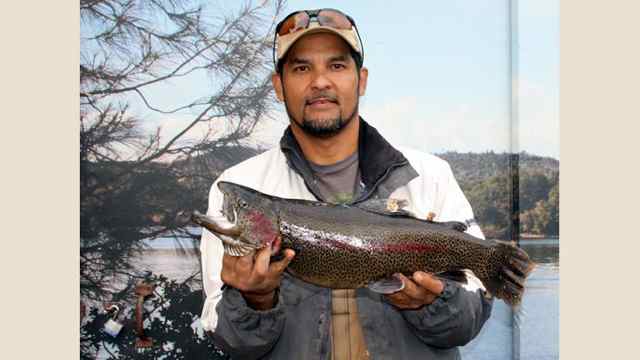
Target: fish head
x,y
253,213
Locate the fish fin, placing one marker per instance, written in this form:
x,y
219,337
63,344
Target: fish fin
x,y
237,250
453,225
387,285
511,267
390,206
455,275
234,247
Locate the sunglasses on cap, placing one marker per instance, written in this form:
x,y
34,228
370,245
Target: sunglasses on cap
x,y
300,20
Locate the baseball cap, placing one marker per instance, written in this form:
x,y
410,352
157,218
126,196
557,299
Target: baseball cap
x,y
306,22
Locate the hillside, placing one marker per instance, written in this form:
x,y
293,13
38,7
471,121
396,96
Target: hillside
x,y
485,178
475,167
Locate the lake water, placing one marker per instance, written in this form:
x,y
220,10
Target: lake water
x,y
533,334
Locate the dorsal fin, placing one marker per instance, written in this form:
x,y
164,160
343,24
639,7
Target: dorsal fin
x,y
390,207
453,225
396,207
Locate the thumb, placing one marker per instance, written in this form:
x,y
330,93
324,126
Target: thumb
x,y
282,264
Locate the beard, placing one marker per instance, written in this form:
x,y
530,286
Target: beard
x,y
324,128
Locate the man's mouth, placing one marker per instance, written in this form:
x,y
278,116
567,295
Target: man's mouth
x,y
321,101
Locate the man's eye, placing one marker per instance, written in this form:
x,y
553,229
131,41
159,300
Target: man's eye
x,y
301,68
337,66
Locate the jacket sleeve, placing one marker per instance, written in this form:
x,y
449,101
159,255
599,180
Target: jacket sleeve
x,y
453,319
458,314
245,333
236,328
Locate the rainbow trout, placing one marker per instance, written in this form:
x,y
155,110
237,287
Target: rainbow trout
x,y
351,246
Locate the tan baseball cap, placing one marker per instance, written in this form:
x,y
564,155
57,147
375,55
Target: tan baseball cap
x,y
285,42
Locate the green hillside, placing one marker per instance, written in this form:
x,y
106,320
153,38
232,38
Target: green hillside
x,y
486,180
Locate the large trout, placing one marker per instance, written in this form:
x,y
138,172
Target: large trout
x,y
351,246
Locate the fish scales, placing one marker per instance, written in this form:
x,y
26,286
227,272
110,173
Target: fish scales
x,y
340,246
346,247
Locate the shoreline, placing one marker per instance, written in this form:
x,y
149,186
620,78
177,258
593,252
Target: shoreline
x,y
526,236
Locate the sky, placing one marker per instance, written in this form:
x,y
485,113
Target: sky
x,y
439,75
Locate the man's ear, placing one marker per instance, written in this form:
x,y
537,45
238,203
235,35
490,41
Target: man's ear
x,y
362,86
276,80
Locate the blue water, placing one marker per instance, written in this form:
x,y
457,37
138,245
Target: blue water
x,y
533,334
170,242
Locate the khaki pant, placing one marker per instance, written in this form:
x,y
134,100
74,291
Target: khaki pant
x,y
347,338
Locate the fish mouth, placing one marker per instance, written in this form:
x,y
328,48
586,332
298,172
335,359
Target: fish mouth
x,y
219,224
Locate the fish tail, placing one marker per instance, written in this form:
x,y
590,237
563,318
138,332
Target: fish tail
x,y
511,266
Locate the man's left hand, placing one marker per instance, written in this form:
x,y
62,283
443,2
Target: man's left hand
x,y
421,290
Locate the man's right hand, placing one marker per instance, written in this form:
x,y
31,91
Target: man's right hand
x,y
255,277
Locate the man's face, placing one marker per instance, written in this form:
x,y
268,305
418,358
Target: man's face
x,y
319,84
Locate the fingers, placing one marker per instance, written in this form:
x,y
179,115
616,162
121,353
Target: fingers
x,y
428,282
261,266
228,261
399,298
244,264
405,298
419,291
254,273
412,290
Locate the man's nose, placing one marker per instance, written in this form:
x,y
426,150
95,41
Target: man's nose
x,y
320,80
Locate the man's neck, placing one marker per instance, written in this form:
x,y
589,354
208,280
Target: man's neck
x,y
327,151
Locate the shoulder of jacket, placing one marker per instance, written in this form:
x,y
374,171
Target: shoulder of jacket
x,y
258,172
254,165
425,163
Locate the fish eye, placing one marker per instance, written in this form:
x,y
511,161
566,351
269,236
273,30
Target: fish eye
x,y
243,204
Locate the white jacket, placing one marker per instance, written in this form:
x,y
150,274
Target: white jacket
x,y
433,190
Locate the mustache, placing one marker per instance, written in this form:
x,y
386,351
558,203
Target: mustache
x,y
322,95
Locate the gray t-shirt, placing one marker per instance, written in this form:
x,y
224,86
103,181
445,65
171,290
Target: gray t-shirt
x,y
339,183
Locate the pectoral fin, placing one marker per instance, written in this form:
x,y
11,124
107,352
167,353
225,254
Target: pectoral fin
x,y
455,275
235,249
387,285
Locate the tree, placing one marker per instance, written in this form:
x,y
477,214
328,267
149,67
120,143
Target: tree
x,y
137,182
534,186
554,208
541,217
490,200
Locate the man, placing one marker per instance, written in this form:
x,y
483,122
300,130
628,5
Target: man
x,y
330,153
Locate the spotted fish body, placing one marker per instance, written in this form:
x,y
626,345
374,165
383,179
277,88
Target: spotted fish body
x,y
341,246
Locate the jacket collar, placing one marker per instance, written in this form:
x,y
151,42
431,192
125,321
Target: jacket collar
x,y
376,156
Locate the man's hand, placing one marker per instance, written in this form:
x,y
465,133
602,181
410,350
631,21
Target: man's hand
x,y
255,278
423,290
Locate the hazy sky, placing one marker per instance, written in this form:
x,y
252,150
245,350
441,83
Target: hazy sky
x,y
438,74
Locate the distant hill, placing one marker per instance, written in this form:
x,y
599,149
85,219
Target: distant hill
x,y
158,191
477,167
485,180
